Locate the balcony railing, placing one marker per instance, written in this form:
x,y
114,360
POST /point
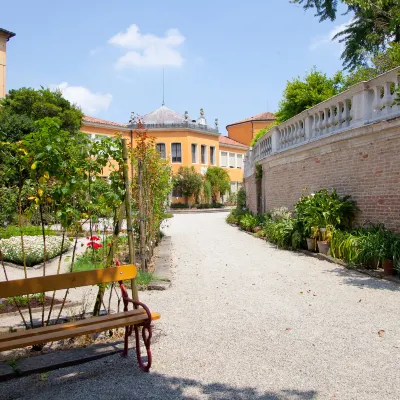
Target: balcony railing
x,y
362,104
180,125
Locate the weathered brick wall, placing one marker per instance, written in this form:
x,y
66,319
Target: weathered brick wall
x,y
364,165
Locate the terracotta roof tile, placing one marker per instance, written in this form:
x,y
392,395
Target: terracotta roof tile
x,y
228,141
264,116
94,120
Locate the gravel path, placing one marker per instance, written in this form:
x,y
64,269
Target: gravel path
x,y
244,320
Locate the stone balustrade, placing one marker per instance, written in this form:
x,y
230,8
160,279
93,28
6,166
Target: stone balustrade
x,y
362,104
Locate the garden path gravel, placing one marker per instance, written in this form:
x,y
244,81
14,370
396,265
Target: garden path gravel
x,y
244,320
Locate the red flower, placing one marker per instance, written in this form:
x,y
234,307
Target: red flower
x,y
94,238
95,245
117,263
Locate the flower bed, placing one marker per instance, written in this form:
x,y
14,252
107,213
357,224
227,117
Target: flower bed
x,y
33,245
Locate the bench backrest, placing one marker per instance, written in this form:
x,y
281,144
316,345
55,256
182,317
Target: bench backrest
x,y
49,283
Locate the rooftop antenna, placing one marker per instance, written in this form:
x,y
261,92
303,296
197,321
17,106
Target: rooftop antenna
x,y
163,102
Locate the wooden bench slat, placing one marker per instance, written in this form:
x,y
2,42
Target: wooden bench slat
x,y
69,325
49,283
82,330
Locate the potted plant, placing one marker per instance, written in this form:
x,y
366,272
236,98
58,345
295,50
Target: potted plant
x,y
312,241
325,235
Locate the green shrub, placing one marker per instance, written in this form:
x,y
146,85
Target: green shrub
x,y
248,222
260,234
232,219
179,205
280,232
28,230
325,209
241,199
365,246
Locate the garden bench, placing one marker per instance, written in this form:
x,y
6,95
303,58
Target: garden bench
x,y
130,320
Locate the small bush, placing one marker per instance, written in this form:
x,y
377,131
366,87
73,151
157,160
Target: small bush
x,y
248,222
260,234
241,199
179,205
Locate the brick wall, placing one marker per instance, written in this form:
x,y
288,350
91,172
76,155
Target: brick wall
x,y
251,193
364,164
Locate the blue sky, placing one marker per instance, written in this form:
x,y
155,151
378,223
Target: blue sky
x,y
231,58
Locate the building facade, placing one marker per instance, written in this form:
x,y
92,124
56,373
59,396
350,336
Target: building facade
x,y
184,141
245,130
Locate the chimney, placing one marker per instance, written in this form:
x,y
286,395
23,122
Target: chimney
x,y
4,38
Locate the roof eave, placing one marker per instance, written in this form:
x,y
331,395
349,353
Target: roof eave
x,y
9,34
234,146
252,120
107,126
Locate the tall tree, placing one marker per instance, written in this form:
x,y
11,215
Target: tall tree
x,y
375,25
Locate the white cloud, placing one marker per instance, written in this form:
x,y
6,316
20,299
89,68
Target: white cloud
x,y
91,103
149,50
324,40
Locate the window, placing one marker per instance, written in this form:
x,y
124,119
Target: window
x,y
161,148
177,191
239,161
194,153
231,160
212,155
224,159
176,152
203,154
233,187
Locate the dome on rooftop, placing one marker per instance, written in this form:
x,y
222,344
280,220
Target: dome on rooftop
x,y
163,115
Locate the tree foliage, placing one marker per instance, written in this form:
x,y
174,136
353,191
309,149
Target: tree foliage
x,y
382,62
189,181
375,25
301,94
22,107
219,181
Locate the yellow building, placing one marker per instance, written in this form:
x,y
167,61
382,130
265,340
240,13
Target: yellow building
x,y
184,141
244,131
4,38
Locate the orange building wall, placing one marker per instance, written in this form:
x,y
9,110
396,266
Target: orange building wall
x,y
245,131
257,125
242,133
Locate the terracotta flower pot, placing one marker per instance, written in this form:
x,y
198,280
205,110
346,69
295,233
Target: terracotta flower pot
x,y
323,246
257,229
310,244
388,267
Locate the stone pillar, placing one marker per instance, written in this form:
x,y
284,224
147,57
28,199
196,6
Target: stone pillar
x,y
359,106
275,140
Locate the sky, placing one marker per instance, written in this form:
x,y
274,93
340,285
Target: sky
x,y
231,58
